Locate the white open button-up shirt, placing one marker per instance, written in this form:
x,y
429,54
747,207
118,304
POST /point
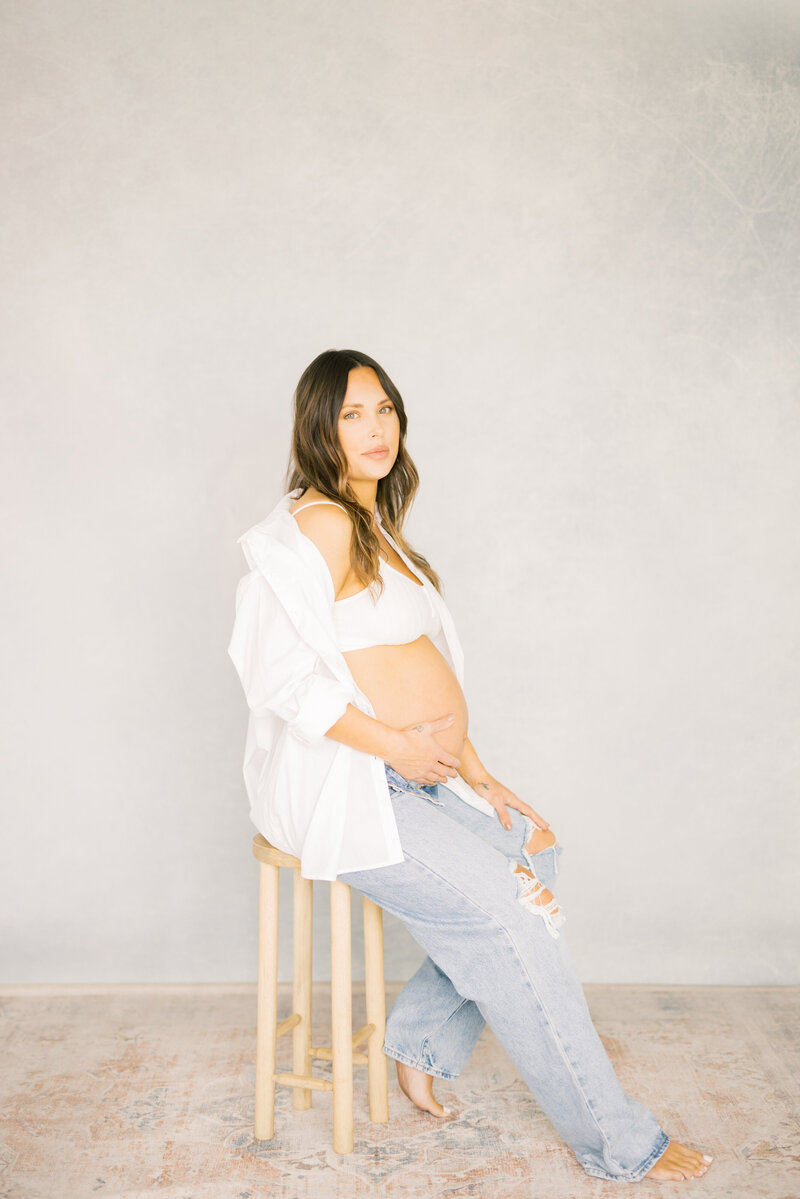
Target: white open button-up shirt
x,y
316,798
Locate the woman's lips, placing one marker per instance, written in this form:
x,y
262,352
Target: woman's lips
x,y
376,453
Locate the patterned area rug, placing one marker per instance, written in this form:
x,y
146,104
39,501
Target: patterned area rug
x,y
149,1091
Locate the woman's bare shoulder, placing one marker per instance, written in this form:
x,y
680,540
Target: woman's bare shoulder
x,y
330,529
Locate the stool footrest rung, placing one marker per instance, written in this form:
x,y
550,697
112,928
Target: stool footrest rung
x,y
363,1034
306,1081
287,1025
326,1055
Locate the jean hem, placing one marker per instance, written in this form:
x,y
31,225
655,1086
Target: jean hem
x,y
417,1063
640,1171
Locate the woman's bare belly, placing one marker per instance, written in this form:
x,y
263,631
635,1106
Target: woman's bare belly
x,y
407,684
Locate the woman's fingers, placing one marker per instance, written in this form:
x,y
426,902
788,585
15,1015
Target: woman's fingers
x,y
503,816
527,810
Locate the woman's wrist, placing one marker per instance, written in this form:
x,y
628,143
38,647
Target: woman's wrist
x,y
472,769
395,744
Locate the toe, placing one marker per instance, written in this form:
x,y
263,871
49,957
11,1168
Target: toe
x,y
692,1164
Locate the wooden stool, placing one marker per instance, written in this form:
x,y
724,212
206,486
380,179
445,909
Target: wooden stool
x,y
343,1051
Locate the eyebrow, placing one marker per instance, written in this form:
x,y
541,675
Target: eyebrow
x,y
355,404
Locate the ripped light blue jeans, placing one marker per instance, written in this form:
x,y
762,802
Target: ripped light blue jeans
x,y
493,959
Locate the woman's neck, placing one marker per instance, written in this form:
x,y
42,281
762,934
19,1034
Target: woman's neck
x,y
366,492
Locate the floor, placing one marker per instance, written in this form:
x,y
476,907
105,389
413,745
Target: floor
x,y
133,1091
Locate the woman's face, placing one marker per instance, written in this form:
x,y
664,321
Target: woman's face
x,y
368,423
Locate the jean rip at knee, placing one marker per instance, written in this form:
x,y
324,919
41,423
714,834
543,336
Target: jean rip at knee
x,y
530,888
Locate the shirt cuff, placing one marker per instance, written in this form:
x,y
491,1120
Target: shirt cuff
x,y
319,705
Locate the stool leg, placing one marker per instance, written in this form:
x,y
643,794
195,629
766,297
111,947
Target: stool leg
x,y
376,1011
267,1009
341,1019
301,1034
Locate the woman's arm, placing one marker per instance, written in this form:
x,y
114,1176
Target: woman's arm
x,y
360,731
280,673
472,769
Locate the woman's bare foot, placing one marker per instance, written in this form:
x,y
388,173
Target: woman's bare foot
x,y
418,1086
678,1162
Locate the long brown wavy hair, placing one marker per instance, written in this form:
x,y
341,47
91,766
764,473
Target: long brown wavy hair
x,y
318,460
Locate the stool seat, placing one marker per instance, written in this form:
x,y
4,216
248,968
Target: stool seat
x,y
275,857
343,1051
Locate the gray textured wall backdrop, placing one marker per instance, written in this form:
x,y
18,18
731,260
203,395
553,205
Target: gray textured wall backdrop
x,y
570,231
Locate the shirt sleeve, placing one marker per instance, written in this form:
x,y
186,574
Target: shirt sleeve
x,y
279,671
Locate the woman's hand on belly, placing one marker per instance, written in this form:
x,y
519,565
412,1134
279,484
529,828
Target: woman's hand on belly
x,y
420,758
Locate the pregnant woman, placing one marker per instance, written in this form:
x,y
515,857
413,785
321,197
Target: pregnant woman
x,y
358,761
